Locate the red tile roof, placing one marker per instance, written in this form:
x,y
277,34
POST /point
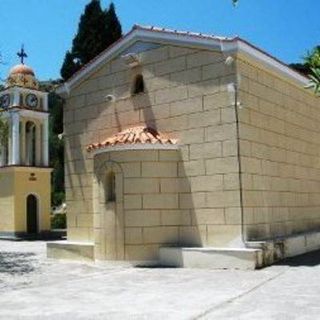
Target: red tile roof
x,y
133,136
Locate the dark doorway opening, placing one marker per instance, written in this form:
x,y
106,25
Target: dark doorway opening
x,y
32,214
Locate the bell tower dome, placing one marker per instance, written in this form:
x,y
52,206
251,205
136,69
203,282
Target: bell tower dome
x,y
23,76
26,109
24,153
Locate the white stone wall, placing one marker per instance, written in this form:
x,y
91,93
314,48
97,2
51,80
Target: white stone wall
x,y
280,148
187,98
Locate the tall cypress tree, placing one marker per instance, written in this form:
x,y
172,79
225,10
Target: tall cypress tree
x,y
114,29
97,30
69,66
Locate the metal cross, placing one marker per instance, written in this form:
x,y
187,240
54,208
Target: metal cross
x,y
22,54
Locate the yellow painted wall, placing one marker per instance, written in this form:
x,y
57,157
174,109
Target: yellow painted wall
x,y
6,200
16,183
24,186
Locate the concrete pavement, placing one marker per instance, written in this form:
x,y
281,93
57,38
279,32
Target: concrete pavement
x,y
33,287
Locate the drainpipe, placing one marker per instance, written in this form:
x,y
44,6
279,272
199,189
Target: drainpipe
x,y
234,86
236,109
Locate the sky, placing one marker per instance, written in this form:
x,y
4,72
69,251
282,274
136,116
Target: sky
x,y
285,29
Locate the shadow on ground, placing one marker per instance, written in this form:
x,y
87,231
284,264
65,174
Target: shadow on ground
x,y
16,263
310,259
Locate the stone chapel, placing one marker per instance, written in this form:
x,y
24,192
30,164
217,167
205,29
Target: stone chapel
x,y
189,149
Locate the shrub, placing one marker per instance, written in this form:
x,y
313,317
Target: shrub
x,y
59,221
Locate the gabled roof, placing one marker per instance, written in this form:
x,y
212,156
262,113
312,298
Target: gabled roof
x,y
134,136
183,38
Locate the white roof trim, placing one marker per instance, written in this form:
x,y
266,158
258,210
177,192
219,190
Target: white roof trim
x,y
185,39
270,62
139,146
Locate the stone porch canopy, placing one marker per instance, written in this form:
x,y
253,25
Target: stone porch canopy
x,y
139,137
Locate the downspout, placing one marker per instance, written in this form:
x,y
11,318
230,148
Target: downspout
x,y
236,109
235,88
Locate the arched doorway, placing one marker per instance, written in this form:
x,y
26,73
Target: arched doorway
x,y
32,214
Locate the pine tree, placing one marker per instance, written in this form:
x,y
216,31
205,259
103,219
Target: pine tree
x,y
114,30
69,66
97,30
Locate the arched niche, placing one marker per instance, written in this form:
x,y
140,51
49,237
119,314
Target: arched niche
x,y
138,85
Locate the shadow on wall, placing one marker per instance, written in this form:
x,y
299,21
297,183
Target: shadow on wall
x,y
140,222
190,234
96,119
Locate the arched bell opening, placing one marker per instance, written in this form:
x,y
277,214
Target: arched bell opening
x,y
30,143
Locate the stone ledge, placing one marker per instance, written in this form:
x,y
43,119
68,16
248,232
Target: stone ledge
x,y
211,258
277,249
70,250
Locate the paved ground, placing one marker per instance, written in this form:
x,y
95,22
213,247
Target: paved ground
x,y
33,287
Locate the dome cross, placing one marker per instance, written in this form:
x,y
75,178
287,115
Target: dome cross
x,y
22,54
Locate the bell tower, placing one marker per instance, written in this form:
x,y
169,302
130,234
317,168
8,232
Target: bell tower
x,y
24,155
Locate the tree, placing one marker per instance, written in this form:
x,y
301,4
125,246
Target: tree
x,y
114,29
56,144
4,134
69,66
310,67
97,30
312,61
4,131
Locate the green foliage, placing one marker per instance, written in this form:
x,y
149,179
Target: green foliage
x,y
314,80
312,60
4,131
113,30
56,148
56,145
97,30
301,67
59,221
69,66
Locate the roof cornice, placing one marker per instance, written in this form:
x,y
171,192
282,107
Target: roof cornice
x,y
228,45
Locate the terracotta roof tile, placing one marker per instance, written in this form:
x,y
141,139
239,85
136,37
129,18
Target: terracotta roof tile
x,y
133,136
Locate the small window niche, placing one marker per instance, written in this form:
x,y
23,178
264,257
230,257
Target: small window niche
x,y
110,187
138,85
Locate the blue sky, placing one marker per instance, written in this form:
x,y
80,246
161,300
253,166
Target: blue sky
x,y
286,29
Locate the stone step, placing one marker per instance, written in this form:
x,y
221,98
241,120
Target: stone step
x,y
211,258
